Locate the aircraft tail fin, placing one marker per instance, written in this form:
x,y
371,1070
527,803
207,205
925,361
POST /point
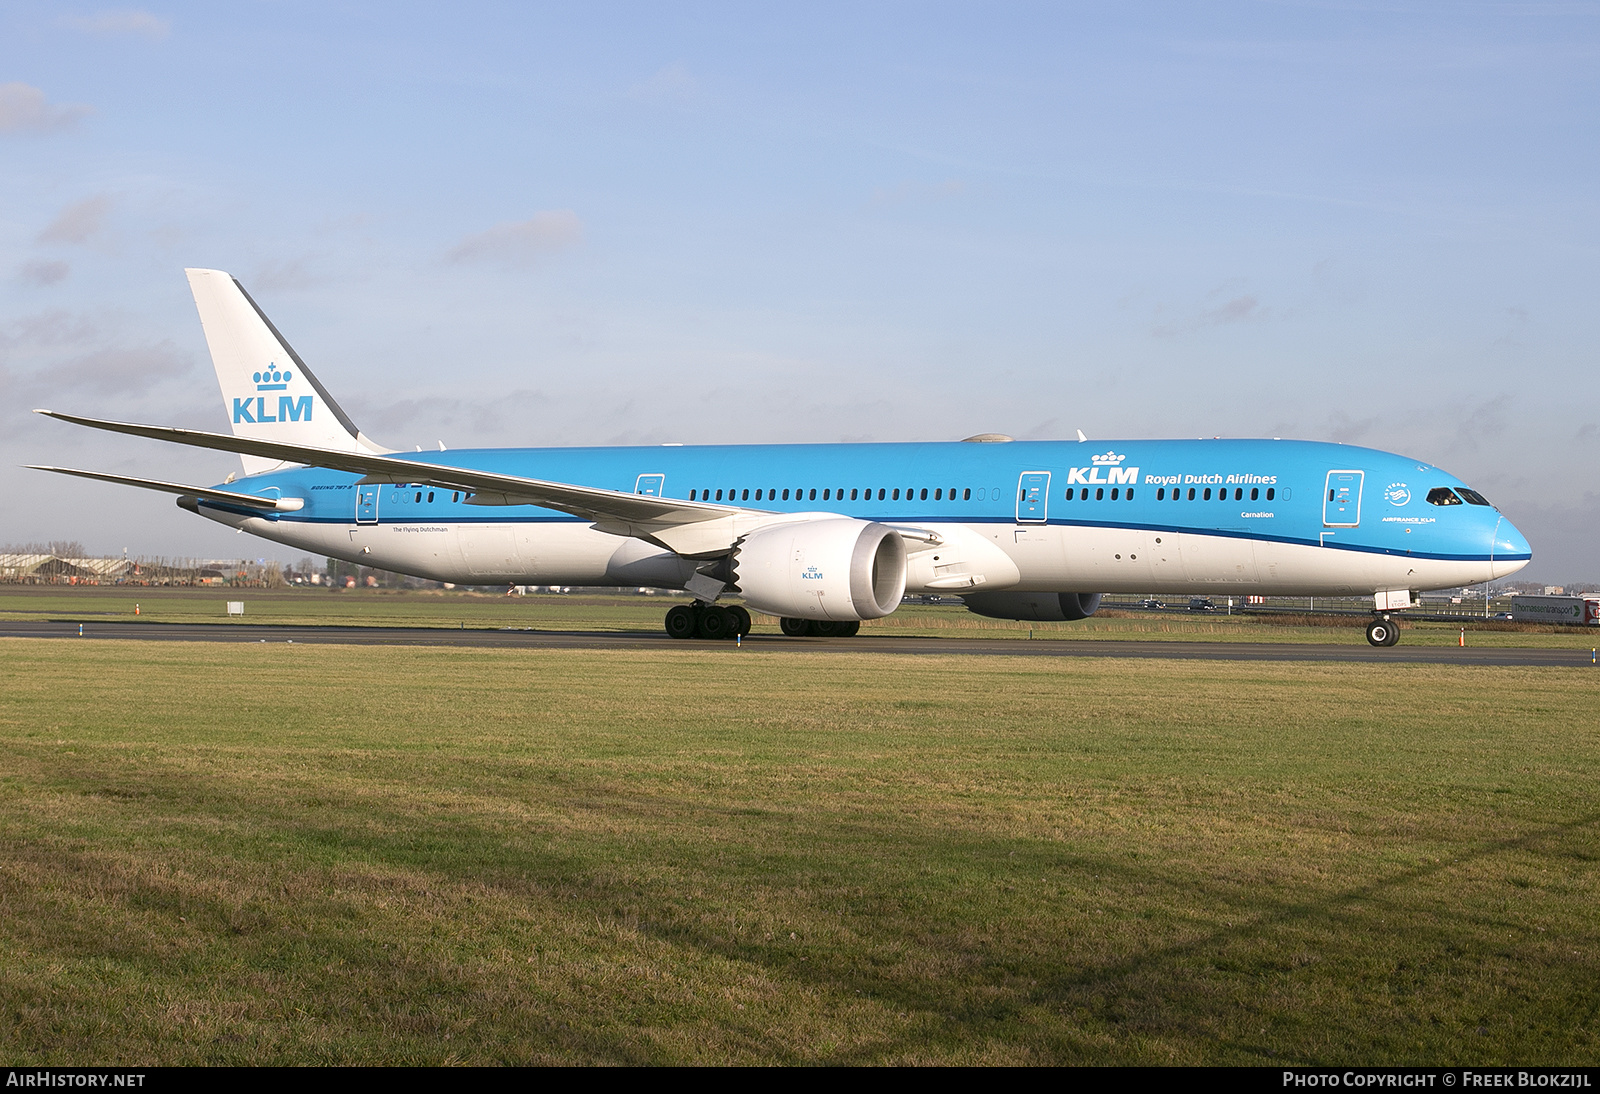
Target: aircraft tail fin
x,y
268,392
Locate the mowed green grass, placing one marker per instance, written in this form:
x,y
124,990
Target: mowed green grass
x,y
286,853
643,614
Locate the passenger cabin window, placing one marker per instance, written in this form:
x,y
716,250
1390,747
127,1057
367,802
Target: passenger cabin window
x,y
1271,491
1442,495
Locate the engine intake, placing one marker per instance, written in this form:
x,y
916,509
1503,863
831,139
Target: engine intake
x,y
825,568
1039,607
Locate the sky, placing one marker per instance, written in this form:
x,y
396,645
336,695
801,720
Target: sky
x,y
526,224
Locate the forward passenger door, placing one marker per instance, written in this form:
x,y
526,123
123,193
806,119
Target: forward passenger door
x,y
1341,499
1033,497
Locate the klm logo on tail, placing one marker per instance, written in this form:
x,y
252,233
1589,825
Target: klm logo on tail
x,y
272,379
290,408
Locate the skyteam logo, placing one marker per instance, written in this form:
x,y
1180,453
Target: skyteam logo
x,y
1397,493
271,379
260,410
1108,462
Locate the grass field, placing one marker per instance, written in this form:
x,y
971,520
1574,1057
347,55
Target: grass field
x,y
437,608
231,854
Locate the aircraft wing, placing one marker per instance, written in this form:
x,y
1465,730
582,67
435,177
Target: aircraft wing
x,y
225,497
624,514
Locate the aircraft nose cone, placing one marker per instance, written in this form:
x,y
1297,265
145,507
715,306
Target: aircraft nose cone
x,y
1511,549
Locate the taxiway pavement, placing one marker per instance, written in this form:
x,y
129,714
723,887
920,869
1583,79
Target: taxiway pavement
x,y
944,647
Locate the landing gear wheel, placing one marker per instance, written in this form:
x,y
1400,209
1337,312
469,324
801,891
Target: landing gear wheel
x,y
848,630
741,620
1383,631
794,628
680,622
822,628
715,623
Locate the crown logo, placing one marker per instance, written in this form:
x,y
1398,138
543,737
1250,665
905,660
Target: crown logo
x,y
1108,459
270,379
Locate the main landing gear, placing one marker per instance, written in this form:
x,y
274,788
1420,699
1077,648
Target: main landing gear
x,y
711,621
818,628
1383,631
702,620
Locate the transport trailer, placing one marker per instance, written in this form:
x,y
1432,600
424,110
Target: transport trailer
x,y
1581,610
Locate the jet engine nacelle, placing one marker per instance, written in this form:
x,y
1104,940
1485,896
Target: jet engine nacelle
x,y
1040,607
827,568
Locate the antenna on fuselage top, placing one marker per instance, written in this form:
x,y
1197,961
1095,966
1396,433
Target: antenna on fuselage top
x,y
1081,437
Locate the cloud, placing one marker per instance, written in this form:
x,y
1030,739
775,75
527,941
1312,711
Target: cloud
x,y
1347,430
521,241
32,334
126,21
23,109
43,272
1241,309
116,371
1236,310
77,222
284,275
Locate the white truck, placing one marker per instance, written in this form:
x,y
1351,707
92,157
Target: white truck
x,y
1556,609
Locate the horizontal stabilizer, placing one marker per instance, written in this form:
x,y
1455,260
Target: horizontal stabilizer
x,y
625,514
224,497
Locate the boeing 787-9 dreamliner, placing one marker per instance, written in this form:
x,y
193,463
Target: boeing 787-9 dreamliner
x,y
824,536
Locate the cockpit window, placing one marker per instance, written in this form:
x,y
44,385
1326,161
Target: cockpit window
x,y
1443,495
1472,496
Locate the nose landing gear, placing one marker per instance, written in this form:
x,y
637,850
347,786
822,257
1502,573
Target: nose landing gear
x,y
1383,631
709,621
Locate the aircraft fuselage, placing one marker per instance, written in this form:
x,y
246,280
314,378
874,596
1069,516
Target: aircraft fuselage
x,y
1225,516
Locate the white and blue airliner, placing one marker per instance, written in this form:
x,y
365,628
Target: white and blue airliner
x,y
824,536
